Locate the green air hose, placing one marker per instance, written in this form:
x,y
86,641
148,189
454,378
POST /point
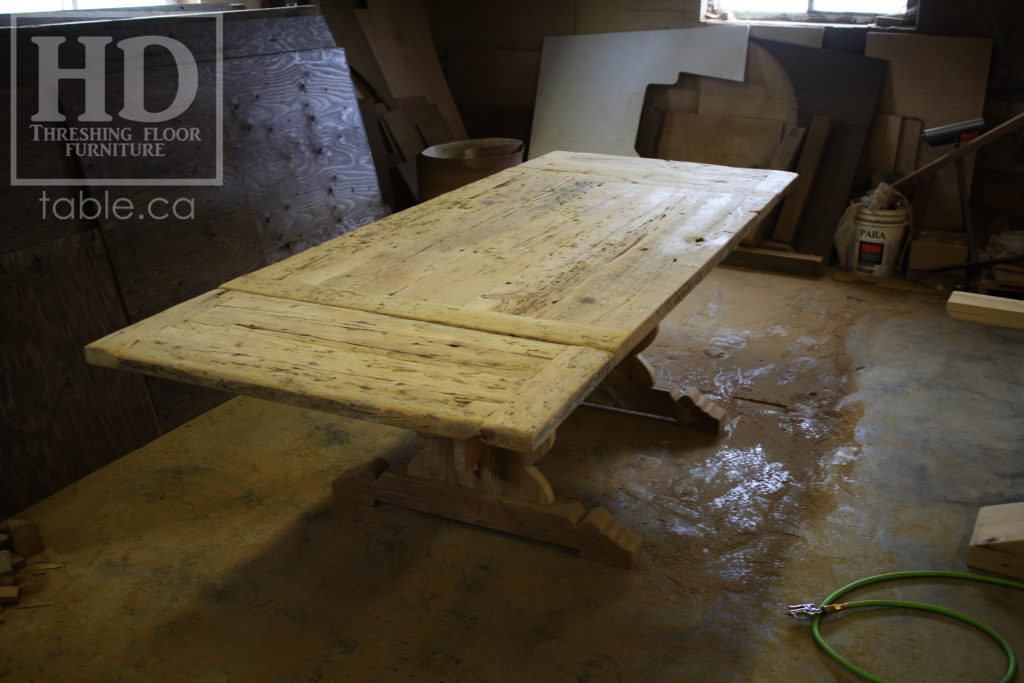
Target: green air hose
x,y
830,606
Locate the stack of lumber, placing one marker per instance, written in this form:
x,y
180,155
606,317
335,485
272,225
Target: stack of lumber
x,y
843,121
798,108
932,81
403,94
19,539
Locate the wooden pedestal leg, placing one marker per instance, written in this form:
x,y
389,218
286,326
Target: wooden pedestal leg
x,y
495,488
633,385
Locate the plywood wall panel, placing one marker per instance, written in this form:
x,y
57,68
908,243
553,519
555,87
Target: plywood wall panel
x,y
59,417
301,149
25,224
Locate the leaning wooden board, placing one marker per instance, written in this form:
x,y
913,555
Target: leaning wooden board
x,y
482,317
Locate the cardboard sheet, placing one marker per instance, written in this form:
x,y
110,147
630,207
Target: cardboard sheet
x,y
937,80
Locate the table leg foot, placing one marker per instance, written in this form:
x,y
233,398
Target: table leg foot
x,y
596,535
633,386
688,408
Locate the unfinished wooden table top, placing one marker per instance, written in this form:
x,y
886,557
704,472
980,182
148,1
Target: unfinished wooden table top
x,y
490,311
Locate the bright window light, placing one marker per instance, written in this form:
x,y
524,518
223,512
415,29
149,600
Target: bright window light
x,y
801,6
112,4
13,6
772,6
862,6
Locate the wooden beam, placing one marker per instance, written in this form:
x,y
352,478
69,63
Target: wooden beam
x,y
785,262
997,544
807,168
786,152
990,310
783,160
596,535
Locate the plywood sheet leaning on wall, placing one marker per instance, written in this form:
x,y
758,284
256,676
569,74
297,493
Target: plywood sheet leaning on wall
x,y
62,418
24,225
739,141
765,92
591,87
302,152
204,233
938,80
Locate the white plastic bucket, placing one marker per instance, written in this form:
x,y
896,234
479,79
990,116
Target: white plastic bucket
x,y
879,237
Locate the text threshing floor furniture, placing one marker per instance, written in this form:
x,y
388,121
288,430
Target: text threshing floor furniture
x,y
480,319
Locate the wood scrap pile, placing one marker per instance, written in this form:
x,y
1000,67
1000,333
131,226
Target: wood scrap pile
x,y
19,539
402,92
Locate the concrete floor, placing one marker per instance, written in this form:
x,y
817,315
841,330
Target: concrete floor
x,y
868,428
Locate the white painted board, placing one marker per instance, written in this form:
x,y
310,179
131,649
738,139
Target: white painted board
x,y
591,87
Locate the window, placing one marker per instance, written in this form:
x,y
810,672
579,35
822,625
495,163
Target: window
x,y
12,6
889,12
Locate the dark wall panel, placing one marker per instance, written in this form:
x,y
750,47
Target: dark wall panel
x,y
62,418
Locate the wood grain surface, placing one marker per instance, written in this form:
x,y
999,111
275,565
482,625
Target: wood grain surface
x,y
570,239
301,148
424,376
245,33
741,141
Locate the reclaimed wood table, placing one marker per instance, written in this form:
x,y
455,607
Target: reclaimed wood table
x,y
480,319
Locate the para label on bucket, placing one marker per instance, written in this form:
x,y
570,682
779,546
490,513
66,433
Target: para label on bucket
x,y
878,247
870,254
